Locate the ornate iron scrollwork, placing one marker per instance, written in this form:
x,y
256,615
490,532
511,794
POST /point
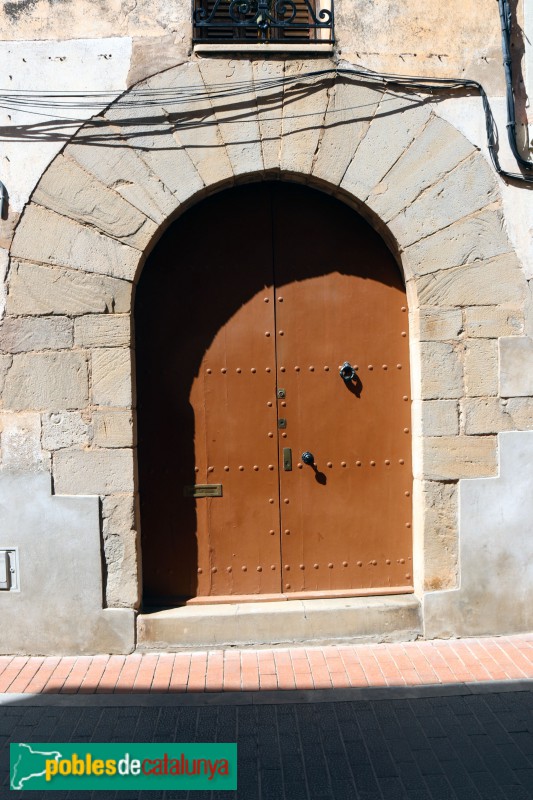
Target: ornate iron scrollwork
x,y
237,20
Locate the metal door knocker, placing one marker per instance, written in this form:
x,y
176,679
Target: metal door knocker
x,y
347,372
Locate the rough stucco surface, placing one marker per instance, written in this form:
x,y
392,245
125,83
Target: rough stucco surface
x,y
59,607
495,595
52,88
430,38
516,367
45,19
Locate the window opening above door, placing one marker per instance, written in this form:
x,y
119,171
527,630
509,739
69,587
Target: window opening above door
x,y
263,21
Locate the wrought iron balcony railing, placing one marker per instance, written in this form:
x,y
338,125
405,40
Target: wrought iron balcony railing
x,y
249,21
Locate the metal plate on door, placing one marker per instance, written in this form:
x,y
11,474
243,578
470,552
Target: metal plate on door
x,y
203,490
282,422
287,459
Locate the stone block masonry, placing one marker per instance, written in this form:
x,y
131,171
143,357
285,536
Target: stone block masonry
x,y
26,334
112,377
43,381
99,472
37,289
67,385
47,237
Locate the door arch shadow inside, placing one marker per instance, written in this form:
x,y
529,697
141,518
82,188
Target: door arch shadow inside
x,y
201,272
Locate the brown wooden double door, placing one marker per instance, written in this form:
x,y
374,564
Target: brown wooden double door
x,y
245,313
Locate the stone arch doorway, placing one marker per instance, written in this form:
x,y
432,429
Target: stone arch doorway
x,y
80,246
244,313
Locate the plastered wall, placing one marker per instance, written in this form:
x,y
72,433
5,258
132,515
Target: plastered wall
x,y
408,37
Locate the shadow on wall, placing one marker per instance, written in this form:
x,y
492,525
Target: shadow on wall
x,y
165,115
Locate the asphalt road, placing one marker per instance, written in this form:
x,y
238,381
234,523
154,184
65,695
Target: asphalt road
x,y
411,744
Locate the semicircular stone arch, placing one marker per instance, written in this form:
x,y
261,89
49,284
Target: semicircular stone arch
x,y
182,134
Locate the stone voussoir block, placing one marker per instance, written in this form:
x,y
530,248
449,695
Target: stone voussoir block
x,y
122,169
479,237
49,238
266,77
240,135
468,188
442,371
455,457
350,104
69,190
483,283
436,150
305,99
44,381
25,334
38,289
389,134
112,377
93,471
103,330
200,158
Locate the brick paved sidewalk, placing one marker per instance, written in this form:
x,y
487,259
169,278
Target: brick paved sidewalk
x,y
340,666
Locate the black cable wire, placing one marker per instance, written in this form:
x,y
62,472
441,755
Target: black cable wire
x,y
506,22
411,82
429,85
490,124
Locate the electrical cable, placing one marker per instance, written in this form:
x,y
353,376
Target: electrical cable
x,y
435,84
506,22
430,85
3,199
147,96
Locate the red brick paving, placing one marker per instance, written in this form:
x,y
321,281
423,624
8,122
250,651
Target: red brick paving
x,y
163,671
111,674
342,666
91,680
26,674
11,672
145,674
42,676
180,672
129,673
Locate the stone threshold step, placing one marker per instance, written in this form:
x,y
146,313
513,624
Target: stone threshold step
x,y
389,618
